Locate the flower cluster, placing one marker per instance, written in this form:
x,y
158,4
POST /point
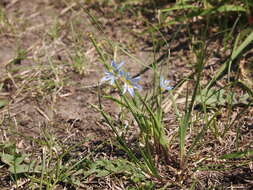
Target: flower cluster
x,y
115,72
164,84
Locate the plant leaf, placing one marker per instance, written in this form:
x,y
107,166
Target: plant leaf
x,y
3,103
235,155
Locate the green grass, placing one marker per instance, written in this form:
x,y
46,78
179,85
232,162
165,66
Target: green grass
x,y
61,128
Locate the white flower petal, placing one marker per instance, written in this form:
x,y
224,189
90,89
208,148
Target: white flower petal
x,y
105,78
124,89
136,79
112,81
131,91
120,64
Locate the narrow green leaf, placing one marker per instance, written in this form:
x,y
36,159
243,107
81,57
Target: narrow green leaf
x,y
236,52
24,168
179,7
245,43
3,103
235,155
230,8
116,101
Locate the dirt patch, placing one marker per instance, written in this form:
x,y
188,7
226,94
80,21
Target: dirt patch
x,y
58,93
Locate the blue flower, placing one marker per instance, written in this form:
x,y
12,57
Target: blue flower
x,y
115,67
164,84
112,73
109,76
130,84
